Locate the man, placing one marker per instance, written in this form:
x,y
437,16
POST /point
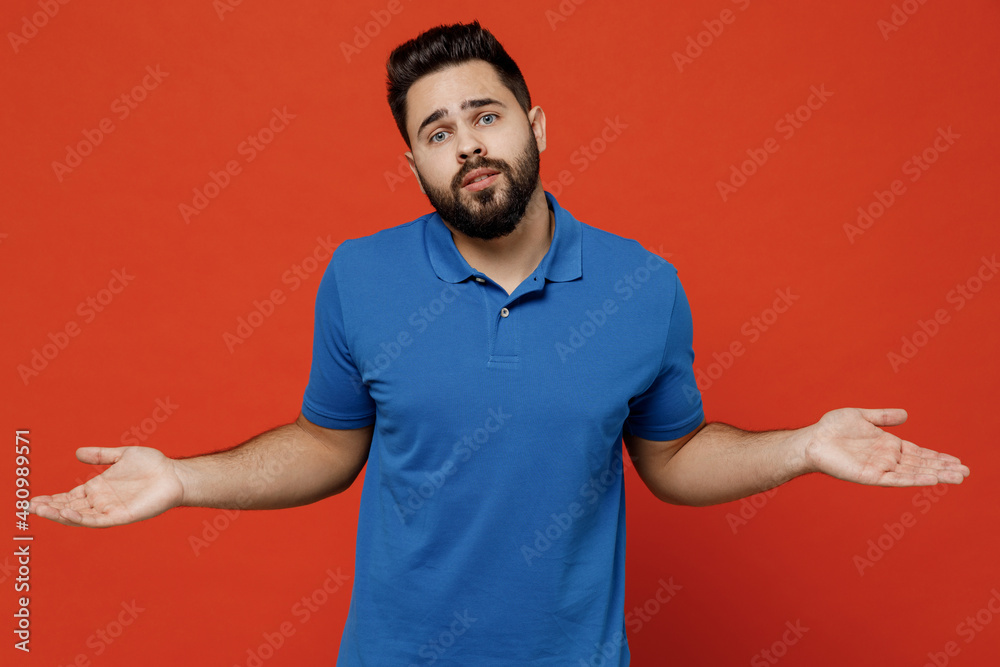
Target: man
x,y
486,361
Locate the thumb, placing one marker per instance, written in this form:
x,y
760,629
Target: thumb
x,y
100,455
884,416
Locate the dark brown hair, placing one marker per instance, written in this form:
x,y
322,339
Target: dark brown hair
x,y
441,47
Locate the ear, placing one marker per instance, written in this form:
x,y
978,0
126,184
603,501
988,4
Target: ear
x,y
413,168
537,119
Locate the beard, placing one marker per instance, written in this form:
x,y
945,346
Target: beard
x,y
492,213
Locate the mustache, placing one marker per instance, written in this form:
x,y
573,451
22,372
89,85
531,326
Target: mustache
x,y
488,163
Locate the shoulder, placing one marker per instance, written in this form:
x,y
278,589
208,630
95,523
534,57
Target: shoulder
x,y
635,273
384,245
385,252
603,247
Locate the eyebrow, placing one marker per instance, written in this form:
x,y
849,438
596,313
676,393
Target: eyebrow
x,y
438,114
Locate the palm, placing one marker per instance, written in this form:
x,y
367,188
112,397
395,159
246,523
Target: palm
x,y
140,484
849,445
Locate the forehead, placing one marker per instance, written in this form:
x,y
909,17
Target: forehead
x,y
448,88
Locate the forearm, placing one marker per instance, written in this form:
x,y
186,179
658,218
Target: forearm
x,y
283,467
722,463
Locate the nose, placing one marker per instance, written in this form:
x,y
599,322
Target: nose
x,y
469,143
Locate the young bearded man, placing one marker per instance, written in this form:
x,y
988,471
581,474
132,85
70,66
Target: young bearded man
x,y
486,361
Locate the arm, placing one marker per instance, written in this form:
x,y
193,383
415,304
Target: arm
x,y
718,463
293,464
715,463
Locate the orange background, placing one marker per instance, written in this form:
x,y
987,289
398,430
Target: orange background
x,y
329,173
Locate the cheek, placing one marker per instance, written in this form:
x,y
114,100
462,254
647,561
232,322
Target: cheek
x,y
436,175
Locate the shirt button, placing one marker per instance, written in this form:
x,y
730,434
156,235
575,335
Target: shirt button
x,y
504,312
480,280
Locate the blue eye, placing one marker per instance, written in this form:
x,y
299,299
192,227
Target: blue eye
x,y
443,134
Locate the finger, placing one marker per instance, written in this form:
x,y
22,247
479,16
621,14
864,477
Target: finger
x,y
956,468
86,517
71,515
70,518
99,455
915,455
913,448
954,472
59,504
933,464
930,472
43,510
75,499
90,517
884,416
951,477
907,479
61,499
34,505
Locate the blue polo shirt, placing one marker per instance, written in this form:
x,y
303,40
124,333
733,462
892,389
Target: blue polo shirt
x,y
492,521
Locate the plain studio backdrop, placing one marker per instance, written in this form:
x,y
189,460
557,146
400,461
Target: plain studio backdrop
x,y
823,176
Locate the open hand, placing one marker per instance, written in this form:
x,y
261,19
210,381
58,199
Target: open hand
x,y
141,483
848,444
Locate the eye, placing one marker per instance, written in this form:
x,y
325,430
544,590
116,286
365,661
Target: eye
x,y
489,115
433,139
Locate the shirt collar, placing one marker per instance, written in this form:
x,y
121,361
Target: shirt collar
x,y
562,262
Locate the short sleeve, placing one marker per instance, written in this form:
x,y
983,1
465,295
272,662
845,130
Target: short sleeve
x,y
671,406
335,397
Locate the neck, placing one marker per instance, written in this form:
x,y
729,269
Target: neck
x,y
517,254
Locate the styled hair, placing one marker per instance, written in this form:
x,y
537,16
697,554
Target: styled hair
x,y
441,47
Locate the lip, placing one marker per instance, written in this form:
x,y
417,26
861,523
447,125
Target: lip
x,y
476,173
483,184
